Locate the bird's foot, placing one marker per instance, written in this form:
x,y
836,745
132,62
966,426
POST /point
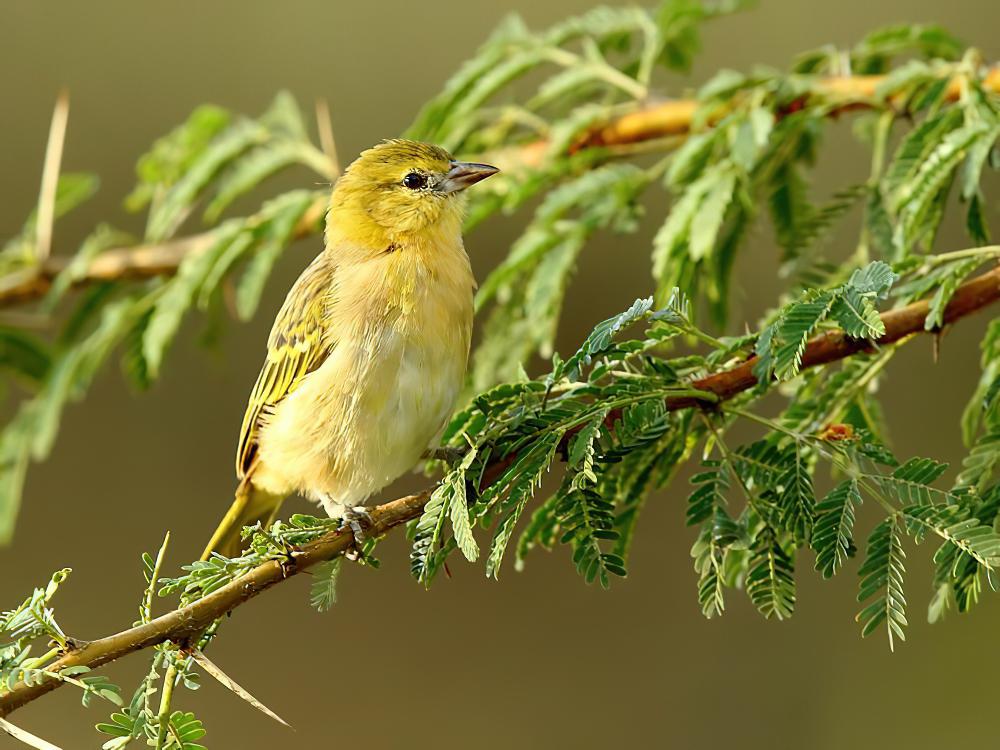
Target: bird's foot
x,y
359,520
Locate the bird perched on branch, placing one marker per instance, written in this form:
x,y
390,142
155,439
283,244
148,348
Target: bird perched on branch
x,y
368,352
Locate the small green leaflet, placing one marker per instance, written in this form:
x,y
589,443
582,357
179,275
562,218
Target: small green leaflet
x,y
833,532
519,481
323,592
781,344
882,580
459,503
770,581
600,339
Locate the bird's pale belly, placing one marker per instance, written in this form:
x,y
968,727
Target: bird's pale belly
x,y
364,417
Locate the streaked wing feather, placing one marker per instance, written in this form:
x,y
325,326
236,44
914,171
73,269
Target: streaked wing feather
x,y
298,344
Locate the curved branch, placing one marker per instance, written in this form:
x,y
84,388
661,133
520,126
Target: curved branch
x,y
835,345
189,622
650,122
184,624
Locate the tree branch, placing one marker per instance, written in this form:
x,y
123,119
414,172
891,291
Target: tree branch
x,y
135,262
650,122
676,116
185,624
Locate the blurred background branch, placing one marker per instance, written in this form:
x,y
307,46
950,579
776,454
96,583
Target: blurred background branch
x,y
649,122
132,262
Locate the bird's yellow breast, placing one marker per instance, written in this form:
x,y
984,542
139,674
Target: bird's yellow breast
x,y
402,322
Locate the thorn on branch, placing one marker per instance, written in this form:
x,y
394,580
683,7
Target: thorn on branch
x,y
26,737
229,683
936,344
50,177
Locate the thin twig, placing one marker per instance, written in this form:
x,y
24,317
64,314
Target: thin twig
x,y
146,608
181,625
166,699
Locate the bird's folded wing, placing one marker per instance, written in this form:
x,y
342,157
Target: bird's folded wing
x,y
298,344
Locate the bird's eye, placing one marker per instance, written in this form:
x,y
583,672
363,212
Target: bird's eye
x,y
415,181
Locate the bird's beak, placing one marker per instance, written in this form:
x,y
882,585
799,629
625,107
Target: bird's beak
x,y
464,173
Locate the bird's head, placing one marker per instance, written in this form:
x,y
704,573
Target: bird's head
x,y
402,188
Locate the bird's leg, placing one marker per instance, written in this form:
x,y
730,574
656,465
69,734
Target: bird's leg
x,y
356,517
360,520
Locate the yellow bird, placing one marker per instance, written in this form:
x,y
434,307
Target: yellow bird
x,y
368,353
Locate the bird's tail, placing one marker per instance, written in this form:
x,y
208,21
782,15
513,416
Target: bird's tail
x,y
250,505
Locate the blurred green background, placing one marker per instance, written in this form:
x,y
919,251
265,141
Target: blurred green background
x,y
539,660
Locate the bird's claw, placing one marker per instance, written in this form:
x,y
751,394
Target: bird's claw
x,y
359,520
